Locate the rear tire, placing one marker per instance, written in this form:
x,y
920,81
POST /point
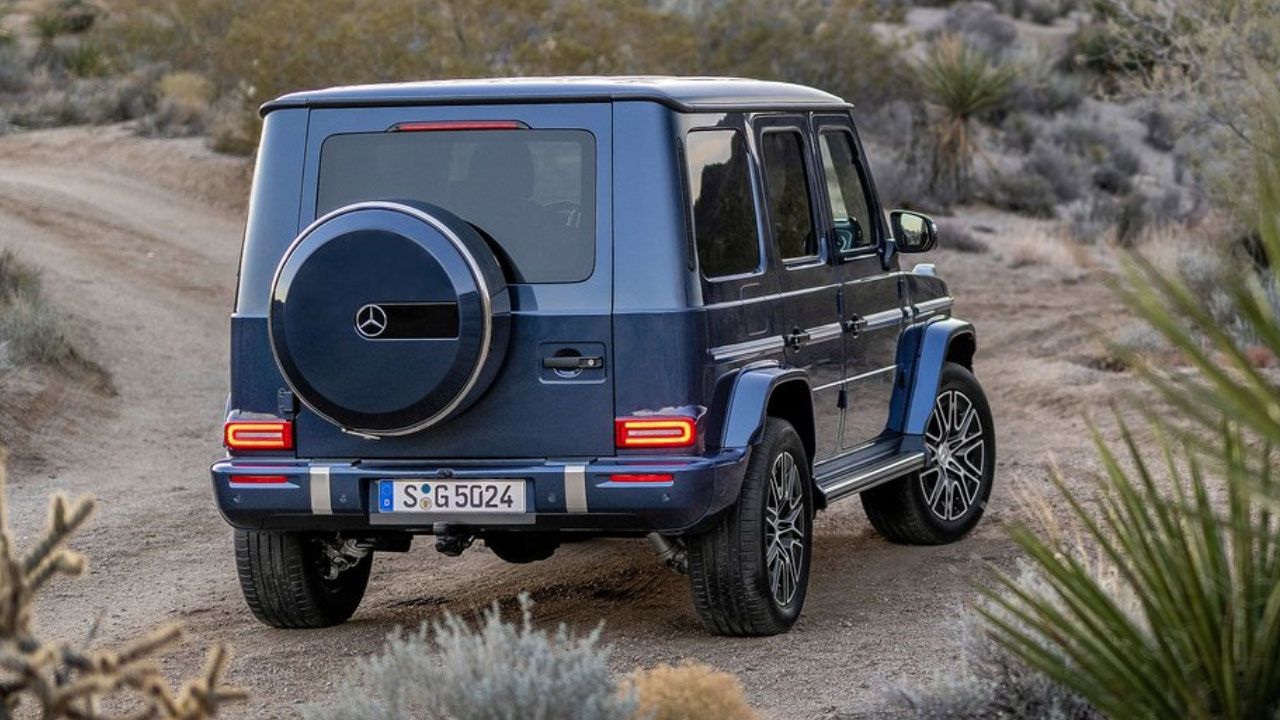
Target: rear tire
x,y
942,503
750,572
282,576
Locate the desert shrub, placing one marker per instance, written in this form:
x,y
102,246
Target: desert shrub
x,y
14,74
1193,536
31,329
496,671
993,683
1161,128
1024,193
1113,163
88,101
981,26
239,47
1041,88
1099,48
689,691
59,680
962,83
83,59
1058,169
960,239
1045,12
1134,218
905,185
183,106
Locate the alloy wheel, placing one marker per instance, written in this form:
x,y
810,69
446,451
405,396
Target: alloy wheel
x,y
957,445
784,528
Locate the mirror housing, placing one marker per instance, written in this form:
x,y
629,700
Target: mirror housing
x,y
913,232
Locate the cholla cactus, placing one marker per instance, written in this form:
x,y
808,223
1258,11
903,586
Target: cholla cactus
x,y
67,682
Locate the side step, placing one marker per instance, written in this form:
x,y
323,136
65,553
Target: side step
x,y
865,478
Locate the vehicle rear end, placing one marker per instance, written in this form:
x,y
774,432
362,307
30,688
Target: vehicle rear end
x,y
424,339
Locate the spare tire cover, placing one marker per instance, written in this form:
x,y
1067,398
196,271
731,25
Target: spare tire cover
x,y
389,317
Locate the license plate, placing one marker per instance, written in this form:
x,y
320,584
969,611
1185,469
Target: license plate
x,y
451,496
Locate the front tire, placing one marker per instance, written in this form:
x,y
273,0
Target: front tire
x,y
750,572
943,502
283,576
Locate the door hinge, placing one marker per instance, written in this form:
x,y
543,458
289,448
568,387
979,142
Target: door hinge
x,y
797,338
854,325
842,400
286,404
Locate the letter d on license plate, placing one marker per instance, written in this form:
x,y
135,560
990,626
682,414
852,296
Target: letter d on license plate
x,y
451,496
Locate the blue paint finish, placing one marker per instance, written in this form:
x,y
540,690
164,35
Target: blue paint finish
x,y
670,340
745,414
921,355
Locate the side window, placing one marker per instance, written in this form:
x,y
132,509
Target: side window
x,y
724,213
787,189
848,195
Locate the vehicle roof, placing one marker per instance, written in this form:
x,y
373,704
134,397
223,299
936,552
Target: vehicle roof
x,y
682,93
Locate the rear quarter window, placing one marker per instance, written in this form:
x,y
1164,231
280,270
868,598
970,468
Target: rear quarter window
x,y
724,213
532,192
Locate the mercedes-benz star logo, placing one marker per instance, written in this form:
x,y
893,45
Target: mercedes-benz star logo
x,y
371,320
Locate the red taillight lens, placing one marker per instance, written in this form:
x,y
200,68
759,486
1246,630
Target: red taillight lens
x,y
258,435
642,478
459,125
656,432
259,479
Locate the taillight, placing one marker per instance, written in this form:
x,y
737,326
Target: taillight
x,y
258,435
642,478
656,432
459,125
259,479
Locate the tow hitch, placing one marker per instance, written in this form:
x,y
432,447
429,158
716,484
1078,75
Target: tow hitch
x,y
452,541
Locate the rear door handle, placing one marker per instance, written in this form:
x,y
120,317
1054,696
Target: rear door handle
x,y
573,362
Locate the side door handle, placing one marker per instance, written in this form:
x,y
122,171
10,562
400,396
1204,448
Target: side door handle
x,y
854,325
797,338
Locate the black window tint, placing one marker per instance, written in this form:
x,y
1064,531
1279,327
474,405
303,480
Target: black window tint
x,y
849,207
787,184
532,191
724,215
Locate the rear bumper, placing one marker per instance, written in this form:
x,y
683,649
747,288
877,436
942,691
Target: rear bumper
x,y
561,495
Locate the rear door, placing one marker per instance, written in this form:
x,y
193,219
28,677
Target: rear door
x,y
872,312
806,279
540,192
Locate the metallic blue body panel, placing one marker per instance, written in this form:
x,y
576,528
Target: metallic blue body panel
x,y
671,340
702,487
745,413
921,355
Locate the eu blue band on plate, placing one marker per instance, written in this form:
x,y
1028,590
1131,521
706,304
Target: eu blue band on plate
x,y
385,492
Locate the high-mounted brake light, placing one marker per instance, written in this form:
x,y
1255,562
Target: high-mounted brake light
x,y
459,125
655,432
258,435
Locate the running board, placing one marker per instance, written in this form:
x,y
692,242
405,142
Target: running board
x,y
890,468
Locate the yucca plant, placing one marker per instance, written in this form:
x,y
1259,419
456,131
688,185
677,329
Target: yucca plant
x,y
963,83
1185,620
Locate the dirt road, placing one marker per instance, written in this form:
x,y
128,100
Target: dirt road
x,y
139,241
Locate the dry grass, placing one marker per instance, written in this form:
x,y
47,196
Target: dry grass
x,y
1047,247
689,691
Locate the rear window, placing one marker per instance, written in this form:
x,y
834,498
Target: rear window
x,y
724,214
532,191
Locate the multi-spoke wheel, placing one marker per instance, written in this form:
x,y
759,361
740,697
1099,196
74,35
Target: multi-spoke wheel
x,y
749,572
943,502
957,448
785,518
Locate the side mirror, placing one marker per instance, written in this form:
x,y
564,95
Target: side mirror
x,y
913,232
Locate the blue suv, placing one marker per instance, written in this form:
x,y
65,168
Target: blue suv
x,y
539,311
